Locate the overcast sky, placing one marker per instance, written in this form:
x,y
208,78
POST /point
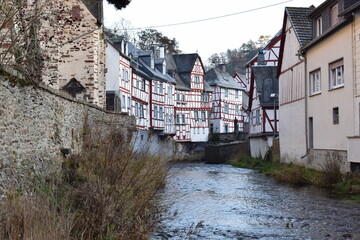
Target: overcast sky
x,y
255,18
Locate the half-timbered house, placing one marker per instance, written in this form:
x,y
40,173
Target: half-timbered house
x,y
193,96
140,96
263,116
227,101
296,32
118,76
161,88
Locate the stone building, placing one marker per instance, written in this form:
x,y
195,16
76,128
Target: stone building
x,y
61,42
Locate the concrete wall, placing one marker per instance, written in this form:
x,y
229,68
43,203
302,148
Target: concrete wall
x,y
37,122
292,132
260,145
150,142
319,158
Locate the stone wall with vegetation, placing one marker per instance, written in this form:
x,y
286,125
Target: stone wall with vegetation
x,y
37,123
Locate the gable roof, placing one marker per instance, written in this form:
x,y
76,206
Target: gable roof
x,y
301,23
218,77
183,65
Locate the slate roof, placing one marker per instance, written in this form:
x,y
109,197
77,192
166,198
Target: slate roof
x,y
136,68
96,8
266,83
136,55
171,67
218,77
302,24
182,65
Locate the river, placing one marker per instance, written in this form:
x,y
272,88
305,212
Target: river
x,y
221,202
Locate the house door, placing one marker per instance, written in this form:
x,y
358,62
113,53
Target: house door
x,y
311,133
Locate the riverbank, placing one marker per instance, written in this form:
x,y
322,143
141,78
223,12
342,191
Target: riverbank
x,y
341,185
106,192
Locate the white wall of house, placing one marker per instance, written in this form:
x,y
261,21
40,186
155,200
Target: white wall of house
x,y
292,133
112,65
321,106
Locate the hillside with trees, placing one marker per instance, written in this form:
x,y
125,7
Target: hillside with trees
x,y
235,59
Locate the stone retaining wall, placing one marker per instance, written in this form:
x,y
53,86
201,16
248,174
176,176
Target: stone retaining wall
x,y
37,122
222,152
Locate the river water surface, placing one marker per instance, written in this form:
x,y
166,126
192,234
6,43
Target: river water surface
x,y
221,202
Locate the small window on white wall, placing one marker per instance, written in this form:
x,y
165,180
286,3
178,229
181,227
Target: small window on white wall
x,y
315,82
336,74
257,116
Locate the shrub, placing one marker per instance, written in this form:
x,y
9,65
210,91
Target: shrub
x,y
105,193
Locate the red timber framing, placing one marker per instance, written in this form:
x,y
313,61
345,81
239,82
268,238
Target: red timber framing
x,y
157,105
192,108
272,52
140,99
125,84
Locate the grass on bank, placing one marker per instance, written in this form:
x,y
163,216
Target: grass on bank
x,y
330,177
105,193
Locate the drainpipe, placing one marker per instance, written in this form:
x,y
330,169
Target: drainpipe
x,y
150,101
303,59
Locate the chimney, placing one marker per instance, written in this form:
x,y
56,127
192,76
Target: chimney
x,y
222,67
261,58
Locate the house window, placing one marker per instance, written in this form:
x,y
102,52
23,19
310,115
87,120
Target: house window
x,y
252,118
226,92
138,84
124,102
237,110
183,98
155,112
177,118
126,76
169,91
336,74
203,116
236,93
196,115
161,113
123,74
183,118
161,88
334,14
136,110
204,97
155,87
226,108
335,115
143,85
257,116
318,26
129,103
315,82
197,79
142,111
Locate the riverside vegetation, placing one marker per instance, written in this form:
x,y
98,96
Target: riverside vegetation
x,y
107,192
341,185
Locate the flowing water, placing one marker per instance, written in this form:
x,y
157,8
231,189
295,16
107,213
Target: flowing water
x,y
221,202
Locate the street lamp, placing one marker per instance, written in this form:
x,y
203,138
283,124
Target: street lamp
x,y
274,96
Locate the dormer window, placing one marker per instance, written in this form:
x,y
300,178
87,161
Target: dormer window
x,y
334,11
318,27
197,79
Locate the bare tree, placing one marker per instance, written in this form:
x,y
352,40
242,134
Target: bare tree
x,y
19,27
